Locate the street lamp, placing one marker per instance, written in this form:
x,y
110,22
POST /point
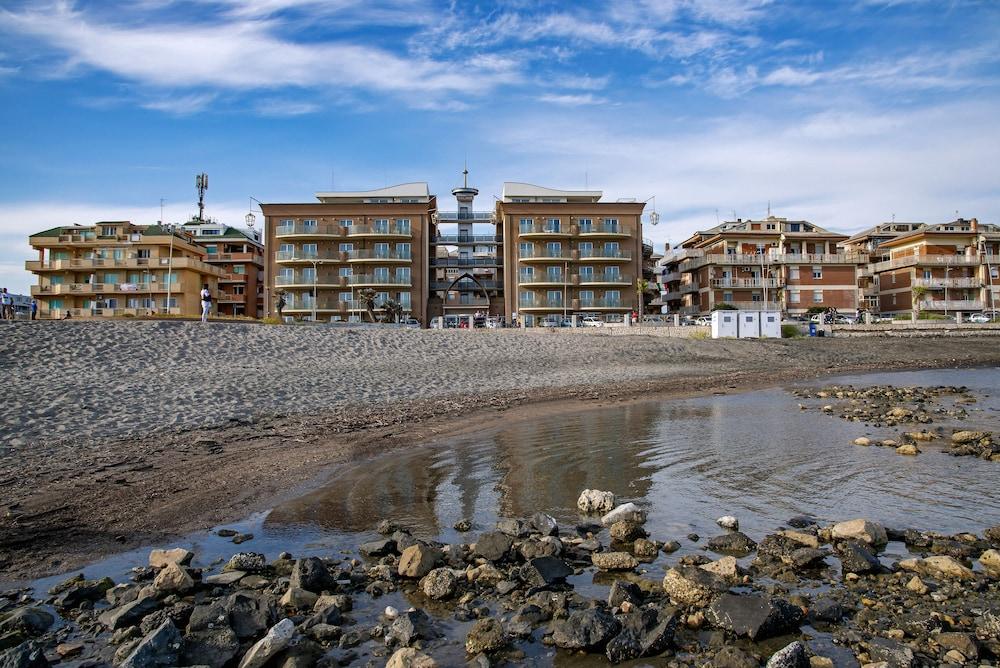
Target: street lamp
x,y
170,262
315,262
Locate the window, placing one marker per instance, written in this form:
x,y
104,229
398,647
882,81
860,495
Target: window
x,y
727,297
382,250
170,303
132,302
403,225
611,249
552,225
611,224
239,269
817,272
381,225
286,222
525,249
793,227
309,223
56,280
586,272
586,225
927,273
346,247
238,290
527,298
403,275
612,273
381,298
612,297
586,248
893,300
285,273
381,274
554,274
344,272
586,298
55,304
142,253
209,232
554,297
286,249
553,249
310,250
404,300
793,273
111,302
525,225
308,275
772,226
211,250
527,274
755,297
403,251
344,297
108,230
170,276
817,296
111,278
347,222
794,296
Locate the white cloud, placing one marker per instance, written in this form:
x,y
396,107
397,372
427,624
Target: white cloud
x,y
279,107
180,105
584,100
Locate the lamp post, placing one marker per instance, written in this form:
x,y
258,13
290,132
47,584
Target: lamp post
x,y
947,270
315,262
170,263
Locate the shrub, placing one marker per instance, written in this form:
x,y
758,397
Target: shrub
x,y
724,307
790,332
271,320
700,335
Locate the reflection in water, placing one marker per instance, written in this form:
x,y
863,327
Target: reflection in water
x,y
753,455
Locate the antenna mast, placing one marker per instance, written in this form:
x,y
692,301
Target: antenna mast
x,y
201,183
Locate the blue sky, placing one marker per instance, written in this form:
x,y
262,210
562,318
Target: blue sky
x,y
844,113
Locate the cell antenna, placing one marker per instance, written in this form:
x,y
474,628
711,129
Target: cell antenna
x,y
201,183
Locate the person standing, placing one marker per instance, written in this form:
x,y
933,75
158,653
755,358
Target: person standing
x,y
281,303
34,309
206,302
5,303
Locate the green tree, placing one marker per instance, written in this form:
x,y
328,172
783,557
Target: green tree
x,y
393,310
919,294
367,297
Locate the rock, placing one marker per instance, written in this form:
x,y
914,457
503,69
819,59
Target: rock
x,y
177,556
588,630
546,547
917,586
461,526
860,530
129,614
225,579
670,546
855,558
493,545
249,614
863,441
298,598
728,522
790,656
71,649
726,568
895,654
908,449
161,647
80,591
545,524
993,535
485,636
173,579
622,591
409,627
512,527
248,562
624,647
801,537
595,501
645,549
755,616
28,622
440,583
614,561
378,548
990,561
274,641
826,609
627,511
545,571
963,643
962,437
408,657
214,647
733,543
312,575
418,560
242,538
733,657
625,531
942,566
26,655
692,586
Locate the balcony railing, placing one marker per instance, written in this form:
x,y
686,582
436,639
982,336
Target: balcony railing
x,y
376,255
124,263
379,230
544,277
605,254
324,230
746,282
542,302
235,257
464,215
605,277
931,261
465,286
377,279
688,287
605,229
602,303
466,261
299,256
467,239
545,254
952,305
101,288
233,278
670,277
963,282
473,302
762,306
816,258
545,228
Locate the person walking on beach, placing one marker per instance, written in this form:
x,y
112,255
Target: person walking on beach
x,y
5,302
206,302
34,309
281,304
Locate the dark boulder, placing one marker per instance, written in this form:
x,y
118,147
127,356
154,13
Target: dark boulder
x,y
493,545
855,558
734,542
588,630
312,575
755,616
545,571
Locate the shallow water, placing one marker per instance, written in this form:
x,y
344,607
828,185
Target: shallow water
x,y
754,455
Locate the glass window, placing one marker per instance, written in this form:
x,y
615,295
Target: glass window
x,y
239,269
817,296
309,223
612,297
344,271
553,249
817,272
308,275
586,297
727,297
793,272
611,224
404,300
586,225
526,225
344,297
403,274
286,248
381,273
552,225
613,272
310,250
346,247
403,225
211,250
554,297
554,274
586,248
527,297
403,251
347,222
527,273
794,296
381,225
170,303
381,297
586,272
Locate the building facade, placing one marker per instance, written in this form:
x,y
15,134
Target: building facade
x,y
117,268
320,255
239,255
950,267
566,253
774,263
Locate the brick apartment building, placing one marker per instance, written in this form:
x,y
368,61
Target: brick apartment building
x,y
239,254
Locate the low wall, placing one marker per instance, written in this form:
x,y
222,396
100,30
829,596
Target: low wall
x,y
915,329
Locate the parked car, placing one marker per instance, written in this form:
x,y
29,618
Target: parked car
x,y
703,321
549,322
412,323
591,321
979,318
687,321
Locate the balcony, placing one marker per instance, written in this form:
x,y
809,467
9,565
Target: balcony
x,y
542,254
466,285
466,261
685,288
302,230
372,255
746,282
235,257
99,288
545,278
542,303
605,254
951,305
58,314
603,303
457,239
762,306
301,281
605,230
474,302
545,230
83,264
931,261
231,298
379,230
372,280
291,257
689,310
940,283
604,278
817,258
233,278
452,216
670,277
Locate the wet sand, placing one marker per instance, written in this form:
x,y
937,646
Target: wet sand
x,y
139,462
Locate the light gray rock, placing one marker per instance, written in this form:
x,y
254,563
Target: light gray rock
x,y
276,639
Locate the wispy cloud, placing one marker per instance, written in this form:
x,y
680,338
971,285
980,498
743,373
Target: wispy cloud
x,y
180,105
279,107
583,100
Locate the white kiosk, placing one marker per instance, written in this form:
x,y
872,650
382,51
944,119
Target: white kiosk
x,y
749,327
770,324
724,324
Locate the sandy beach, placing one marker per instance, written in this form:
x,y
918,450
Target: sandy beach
x,y
118,434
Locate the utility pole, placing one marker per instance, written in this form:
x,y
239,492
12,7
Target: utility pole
x,y
201,183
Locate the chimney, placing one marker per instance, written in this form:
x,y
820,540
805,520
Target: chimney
x,y
974,224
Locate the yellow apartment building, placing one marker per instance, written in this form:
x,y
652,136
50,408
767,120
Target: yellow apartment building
x,y
117,268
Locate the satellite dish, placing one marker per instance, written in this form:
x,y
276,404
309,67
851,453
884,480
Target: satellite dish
x,y
654,218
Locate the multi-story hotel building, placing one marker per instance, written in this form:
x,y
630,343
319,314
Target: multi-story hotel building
x,y
940,268
116,268
567,252
867,243
775,263
321,254
239,254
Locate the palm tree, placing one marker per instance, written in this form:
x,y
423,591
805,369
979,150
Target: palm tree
x,y
367,297
641,285
919,294
393,310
